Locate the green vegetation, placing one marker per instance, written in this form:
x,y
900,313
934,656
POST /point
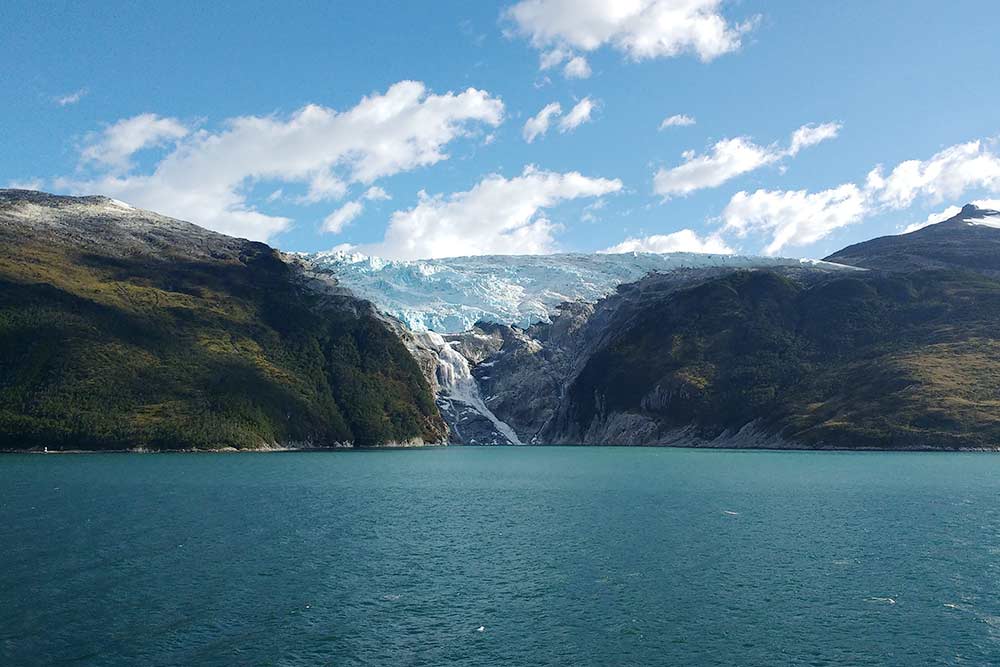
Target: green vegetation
x,y
866,360
105,352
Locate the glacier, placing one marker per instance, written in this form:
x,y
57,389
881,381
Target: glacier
x,y
450,295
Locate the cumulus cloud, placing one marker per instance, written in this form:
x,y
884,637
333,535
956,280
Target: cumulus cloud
x,y
497,216
677,120
639,29
685,240
577,68
577,116
117,143
205,177
375,193
730,158
70,98
810,135
343,216
553,57
796,218
793,217
932,219
945,175
538,125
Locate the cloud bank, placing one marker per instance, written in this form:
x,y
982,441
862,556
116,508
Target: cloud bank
x,y
205,175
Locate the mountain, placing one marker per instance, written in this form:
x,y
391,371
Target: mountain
x,y
969,240
906,355
450,295
123,329
752,359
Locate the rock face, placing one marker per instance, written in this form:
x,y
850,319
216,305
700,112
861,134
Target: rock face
x,y
762,358
514,319
968,241
122,329
790,356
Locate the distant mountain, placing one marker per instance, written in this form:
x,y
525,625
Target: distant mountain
x,y
450,295
123,329
969,240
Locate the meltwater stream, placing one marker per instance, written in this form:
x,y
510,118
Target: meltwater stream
x,y
501,556
459,387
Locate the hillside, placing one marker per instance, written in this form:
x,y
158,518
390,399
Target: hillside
x,y
967,241
756,359
122,329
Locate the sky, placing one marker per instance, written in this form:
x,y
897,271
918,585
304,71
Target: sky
x,y
432,129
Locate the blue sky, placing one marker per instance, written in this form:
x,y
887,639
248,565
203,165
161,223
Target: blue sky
x,y
399,128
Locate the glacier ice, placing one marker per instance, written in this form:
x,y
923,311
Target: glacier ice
x,y
450,295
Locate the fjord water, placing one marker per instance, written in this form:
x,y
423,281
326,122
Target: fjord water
x,y
555,556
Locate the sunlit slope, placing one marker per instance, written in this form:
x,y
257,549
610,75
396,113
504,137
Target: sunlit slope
x,y
122,329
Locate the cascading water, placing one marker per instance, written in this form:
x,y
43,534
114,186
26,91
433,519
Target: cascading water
x,y
459,391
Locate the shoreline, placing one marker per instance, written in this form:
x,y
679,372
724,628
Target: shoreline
x,y
396,447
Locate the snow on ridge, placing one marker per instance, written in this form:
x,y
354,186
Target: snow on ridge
x,y
985,218
450,295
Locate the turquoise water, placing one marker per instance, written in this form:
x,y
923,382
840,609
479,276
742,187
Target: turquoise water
x,y
562,556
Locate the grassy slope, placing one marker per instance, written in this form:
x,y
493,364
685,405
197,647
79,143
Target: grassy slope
x,y
859,361
104,352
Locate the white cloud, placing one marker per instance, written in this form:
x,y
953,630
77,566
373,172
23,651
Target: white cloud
x,y
29,184
640,29
205,177
336,221
590,210
538,124
577,68
677,120
797,218
730,158
70,98
932,219
324,186
550,59
577,116
945,175
116,144
794,217
375,193
497,216
685,240
810,135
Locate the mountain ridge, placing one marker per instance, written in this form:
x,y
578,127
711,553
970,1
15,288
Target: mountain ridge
x,y
123,329
966,241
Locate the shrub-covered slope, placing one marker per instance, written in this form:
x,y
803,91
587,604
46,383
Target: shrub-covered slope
x,y
121,329
866,360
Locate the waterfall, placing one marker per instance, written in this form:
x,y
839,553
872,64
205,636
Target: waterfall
x,y
457,384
